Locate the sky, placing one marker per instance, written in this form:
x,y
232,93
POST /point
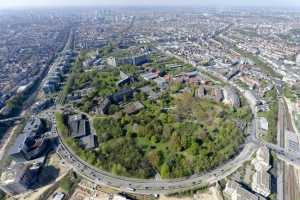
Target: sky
x,y
47,3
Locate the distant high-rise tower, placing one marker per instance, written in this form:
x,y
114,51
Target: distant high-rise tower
x,y
18,179
298,60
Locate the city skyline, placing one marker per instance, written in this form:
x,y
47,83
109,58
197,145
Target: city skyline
x,y
150,99
58,3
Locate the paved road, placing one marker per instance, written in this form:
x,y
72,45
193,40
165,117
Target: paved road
x,y
291,184
11,119
280,142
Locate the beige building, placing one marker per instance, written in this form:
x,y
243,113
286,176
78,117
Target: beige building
x,y
235,191
261,183
261,180
262,160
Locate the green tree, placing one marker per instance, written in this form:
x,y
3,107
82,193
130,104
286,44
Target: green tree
x,y
194,149
118,169
155,158
165,171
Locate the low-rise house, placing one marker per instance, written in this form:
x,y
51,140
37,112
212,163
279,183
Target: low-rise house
x,y
191,74
197,80
133,108
263,108
150,93
124,79
173,66
88,142
122,95
232,74
231,97
200,92
161,83
217,94
149,76
252,83
102,106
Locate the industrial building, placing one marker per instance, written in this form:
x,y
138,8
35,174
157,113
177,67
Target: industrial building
x,y
134,60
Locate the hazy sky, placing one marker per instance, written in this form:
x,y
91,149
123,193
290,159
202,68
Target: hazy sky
x,y
26,3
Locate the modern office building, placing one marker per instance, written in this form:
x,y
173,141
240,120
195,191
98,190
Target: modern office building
x,y
134,60
261,183
29,144
18,178
78,126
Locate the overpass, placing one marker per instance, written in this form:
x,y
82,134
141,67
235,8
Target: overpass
x,y
10,121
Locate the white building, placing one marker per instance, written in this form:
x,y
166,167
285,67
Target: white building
x,y
298,60
251,97
236,192
262,160
261,183
59,196
231,97
261,180
263,125
119,197
292,141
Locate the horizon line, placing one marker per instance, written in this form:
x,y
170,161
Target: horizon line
x,y
22,7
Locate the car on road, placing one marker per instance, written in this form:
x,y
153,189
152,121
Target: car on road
x,y
131,189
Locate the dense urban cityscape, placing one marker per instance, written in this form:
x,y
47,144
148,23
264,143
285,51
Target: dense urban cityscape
x,y
168,103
